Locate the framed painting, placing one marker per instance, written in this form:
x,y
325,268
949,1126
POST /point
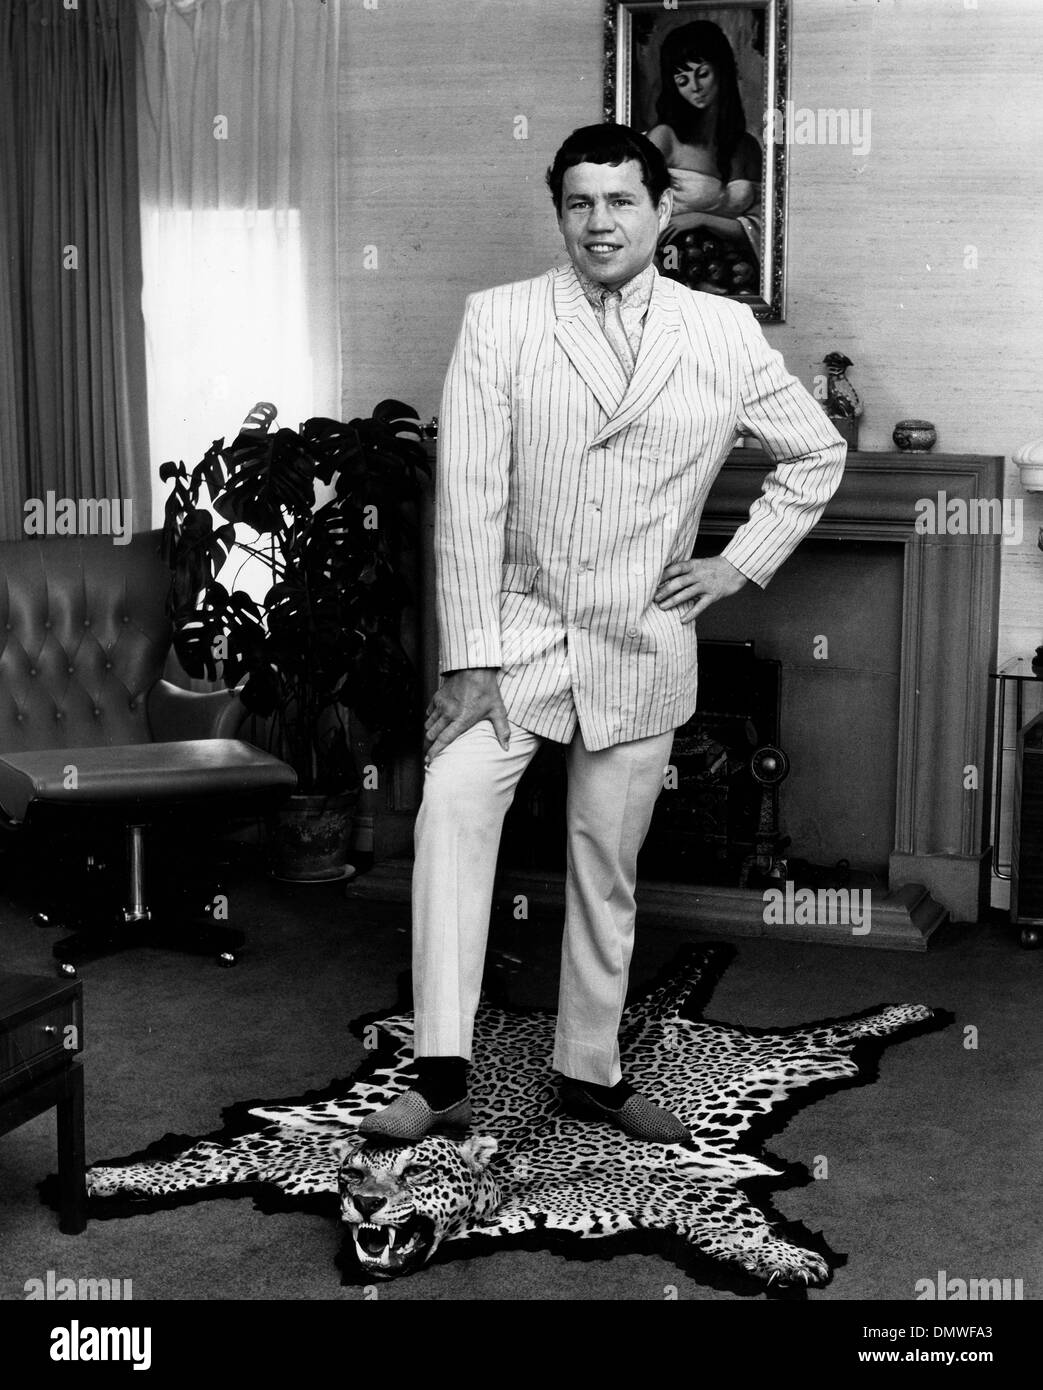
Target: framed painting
x,y
706,80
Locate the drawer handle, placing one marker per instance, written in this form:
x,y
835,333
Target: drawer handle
x,y
50,1028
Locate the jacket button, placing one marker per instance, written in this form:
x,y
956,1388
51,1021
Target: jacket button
x,y
633,631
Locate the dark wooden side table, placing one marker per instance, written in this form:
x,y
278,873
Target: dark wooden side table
x,y
41,1031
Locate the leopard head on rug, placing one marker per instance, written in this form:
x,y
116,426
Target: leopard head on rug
x,y
399,1203
531,1174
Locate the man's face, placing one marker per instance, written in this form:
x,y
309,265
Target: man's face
x,y
609,222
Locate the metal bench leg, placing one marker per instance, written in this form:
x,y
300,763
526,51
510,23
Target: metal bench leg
x,y
136,911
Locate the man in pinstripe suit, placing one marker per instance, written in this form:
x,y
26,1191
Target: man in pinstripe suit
x,y
585,416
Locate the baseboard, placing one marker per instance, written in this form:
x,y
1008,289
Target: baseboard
x,y
901,920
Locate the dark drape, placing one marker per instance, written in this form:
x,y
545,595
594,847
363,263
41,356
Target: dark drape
x,y
73,408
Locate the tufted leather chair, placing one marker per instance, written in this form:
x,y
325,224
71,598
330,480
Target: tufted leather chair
x,y
91,733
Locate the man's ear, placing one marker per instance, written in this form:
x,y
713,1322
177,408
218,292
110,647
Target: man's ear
x,y
665,209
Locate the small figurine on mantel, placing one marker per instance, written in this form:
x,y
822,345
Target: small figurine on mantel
x,y
842,404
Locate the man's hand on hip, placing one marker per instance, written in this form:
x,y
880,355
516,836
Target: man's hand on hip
x,y
463,699
704,581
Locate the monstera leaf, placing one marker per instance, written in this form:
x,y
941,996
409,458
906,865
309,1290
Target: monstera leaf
x,y
245,650
201,552
399,419
331,443
310,635
197,628
270,473
389,455
221,635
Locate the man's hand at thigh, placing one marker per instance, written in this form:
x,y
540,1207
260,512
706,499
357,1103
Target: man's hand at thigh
x,y
464,699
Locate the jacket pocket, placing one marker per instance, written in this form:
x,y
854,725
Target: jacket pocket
x,y
519,579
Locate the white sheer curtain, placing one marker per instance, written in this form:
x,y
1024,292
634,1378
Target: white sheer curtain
x,y
237,104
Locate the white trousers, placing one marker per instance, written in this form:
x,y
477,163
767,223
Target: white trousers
x,y
468,789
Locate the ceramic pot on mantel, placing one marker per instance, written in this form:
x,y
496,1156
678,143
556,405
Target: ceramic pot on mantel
x,y
914,436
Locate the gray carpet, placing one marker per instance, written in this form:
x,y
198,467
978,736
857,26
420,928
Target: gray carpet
x,y
931,1167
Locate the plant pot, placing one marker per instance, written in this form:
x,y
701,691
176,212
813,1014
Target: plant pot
x,y
310,836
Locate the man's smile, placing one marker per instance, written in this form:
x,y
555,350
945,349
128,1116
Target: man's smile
x,y
609,221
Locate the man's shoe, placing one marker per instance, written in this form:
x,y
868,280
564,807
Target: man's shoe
x,y
637,1116
409,1117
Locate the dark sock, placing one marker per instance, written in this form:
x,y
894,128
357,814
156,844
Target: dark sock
x,y
612,1096
442,1081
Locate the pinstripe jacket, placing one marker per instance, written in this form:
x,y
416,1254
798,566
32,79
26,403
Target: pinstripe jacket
x,y
563,492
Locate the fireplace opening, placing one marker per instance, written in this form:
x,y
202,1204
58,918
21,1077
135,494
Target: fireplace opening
x,y
717,818
832,616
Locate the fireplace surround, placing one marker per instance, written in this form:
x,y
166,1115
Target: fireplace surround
x,y
948,615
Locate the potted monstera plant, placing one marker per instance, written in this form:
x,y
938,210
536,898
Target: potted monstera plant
x,y
307,629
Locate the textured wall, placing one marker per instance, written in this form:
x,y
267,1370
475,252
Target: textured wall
x,y
433,177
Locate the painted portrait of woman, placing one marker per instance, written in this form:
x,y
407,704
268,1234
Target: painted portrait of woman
x,y
715,163
697,88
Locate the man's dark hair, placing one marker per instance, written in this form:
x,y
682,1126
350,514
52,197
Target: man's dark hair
x,y
609,144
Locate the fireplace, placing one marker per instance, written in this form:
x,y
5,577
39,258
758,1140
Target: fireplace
x,y
887,721
897,749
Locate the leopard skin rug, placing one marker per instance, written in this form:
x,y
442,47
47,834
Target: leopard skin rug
x,y
528,1175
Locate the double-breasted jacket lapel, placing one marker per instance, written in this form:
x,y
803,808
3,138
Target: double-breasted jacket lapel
x,y
579,333
584,343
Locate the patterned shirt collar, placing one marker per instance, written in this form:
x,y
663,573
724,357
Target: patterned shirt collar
x,y
634,294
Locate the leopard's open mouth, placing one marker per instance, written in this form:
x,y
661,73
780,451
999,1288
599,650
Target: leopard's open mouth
x,y
384,1251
